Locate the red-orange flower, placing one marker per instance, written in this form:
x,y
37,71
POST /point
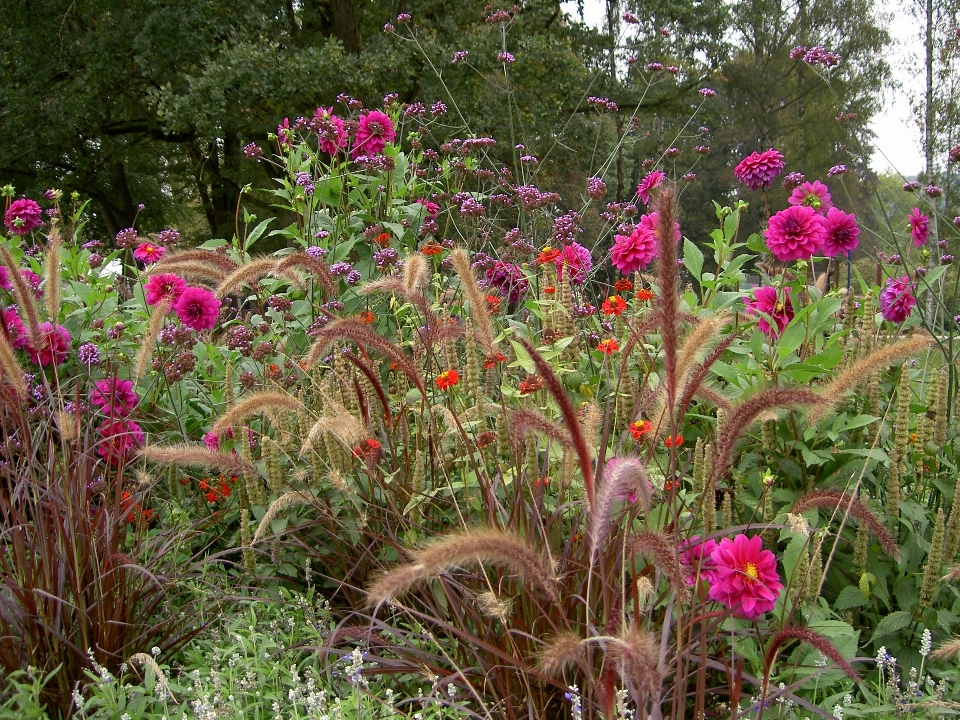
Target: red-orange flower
x,y
622,284
644,294
640,428
366,449
673,442
542,481
493,360
493,303
383,239
608,346
613,305
447,379
547,255
431,248
367,317
549,290
531,384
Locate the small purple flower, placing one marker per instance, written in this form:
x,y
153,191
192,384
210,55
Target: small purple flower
x,y
438,108
707,92
837,170
793,180
316,252
505,57
341,268
459,56
353,277
253,151
933,191
946,259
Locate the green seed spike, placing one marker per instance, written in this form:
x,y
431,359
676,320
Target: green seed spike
x,y
249,559
815,574
698,462
901,426
931,569
940,415
726,509
893,489
708,508
951,541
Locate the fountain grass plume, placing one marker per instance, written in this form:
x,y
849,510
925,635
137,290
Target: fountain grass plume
x,y
416,272
696,384
314,265
561,651
636,653
847,504
248,274
339,423
11,368
222,261
52,273
570,417
355,331
667,280
624,479
810,638
749,410
192,269
265,401
196,455
22,293
374,379
154,326
528,420
144,660
860,371
483,323
662,548
486,545
284,502
947,650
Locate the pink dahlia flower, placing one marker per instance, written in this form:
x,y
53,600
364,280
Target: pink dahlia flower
x,y
634,251
198,308
649,222
758,170
330,131
212,441
115,397
841,234
919,227
52,345
22,216
576,257
695,557
773,307
5,282
508,280
14,326
652,181
812,194
148,253
374,130
119,438
897,300
431,207
165,286
744,576
33,280
795,233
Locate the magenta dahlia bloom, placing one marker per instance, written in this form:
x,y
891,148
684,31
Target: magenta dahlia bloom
x,y
508,280
758,170
5,282
634,251
841,234
744,576
198,308
649,222
15,329
812,194
165,286
22,216
374,130
695,559
897,300
773,306
795,233
919,227
652,181
52,345
33,280
576,257
119,438
330,130
148,253
115,397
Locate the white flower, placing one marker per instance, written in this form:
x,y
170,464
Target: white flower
x,y
838,712
926,642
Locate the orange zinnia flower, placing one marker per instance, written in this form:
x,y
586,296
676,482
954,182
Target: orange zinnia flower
x,y
493,303
367,317
548,255
492,360
673,442
608,346
613,305
383,239
447,379
549,290
431,248
622,284
531,384
644,294
640,428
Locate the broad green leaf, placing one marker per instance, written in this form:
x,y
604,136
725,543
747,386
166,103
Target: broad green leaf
x,y
849,597
692,259
892,623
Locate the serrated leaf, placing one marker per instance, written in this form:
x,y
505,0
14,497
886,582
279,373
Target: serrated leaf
x,y
892,623
849,597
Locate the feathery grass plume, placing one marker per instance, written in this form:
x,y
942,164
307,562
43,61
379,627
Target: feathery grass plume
x,y
52,273
861,371
247,274
925,420
873,397
947,650
337,422
662,548
479,313
22,292
195,455
264,401
493,606
667,279
940,411
591,421
314,265
373,380
636,653
624,479
570,417
561,651
192,269
211,258
144,660
722,417
931,569
843,504
485,545
810,638
528,420
449,419
68,423
703,335
10,367
154,326
355,331
284,502
746,412
800,577
696,383
415,273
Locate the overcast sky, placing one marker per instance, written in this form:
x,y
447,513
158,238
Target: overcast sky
x,y
898,137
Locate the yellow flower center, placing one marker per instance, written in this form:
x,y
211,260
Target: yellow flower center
x,y
779,307
751,571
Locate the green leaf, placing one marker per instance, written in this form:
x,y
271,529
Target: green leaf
x,y
892,623
791,339
692,259
755,244
849,597
257,233
523,358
